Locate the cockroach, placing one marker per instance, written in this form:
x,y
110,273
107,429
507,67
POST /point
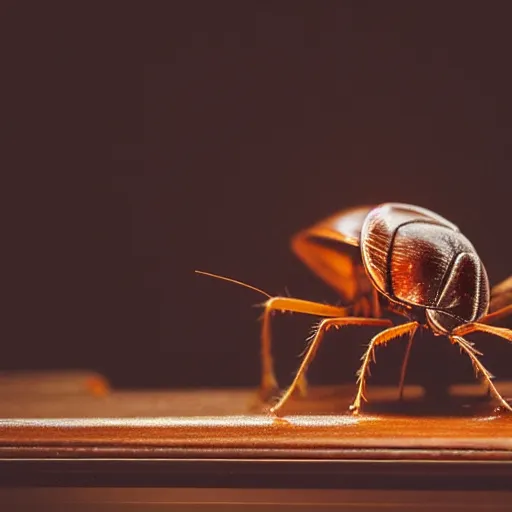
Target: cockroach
x,y
391,258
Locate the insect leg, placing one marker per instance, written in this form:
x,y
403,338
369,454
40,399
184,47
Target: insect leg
x,y
477,326
405,362
480,368
498,331
268,379
496,315
376,308
315,343
381,338
362,307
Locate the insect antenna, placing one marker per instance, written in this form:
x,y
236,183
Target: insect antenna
x,y
230,280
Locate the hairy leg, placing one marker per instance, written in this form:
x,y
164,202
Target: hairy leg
x,y
480,368
286,304
380,339
315,343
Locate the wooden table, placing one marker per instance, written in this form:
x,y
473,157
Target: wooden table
x,y
69,439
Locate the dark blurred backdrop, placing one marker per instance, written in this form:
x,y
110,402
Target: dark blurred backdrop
x,y
145,140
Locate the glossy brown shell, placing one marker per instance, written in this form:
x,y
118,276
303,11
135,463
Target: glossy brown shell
x,y
418,258
411,255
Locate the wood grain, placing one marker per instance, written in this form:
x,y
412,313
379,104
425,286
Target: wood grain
x,y
233,423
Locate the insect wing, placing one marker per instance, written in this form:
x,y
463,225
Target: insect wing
x,y
330,249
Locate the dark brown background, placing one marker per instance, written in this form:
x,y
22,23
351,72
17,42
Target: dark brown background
x,y
146,141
